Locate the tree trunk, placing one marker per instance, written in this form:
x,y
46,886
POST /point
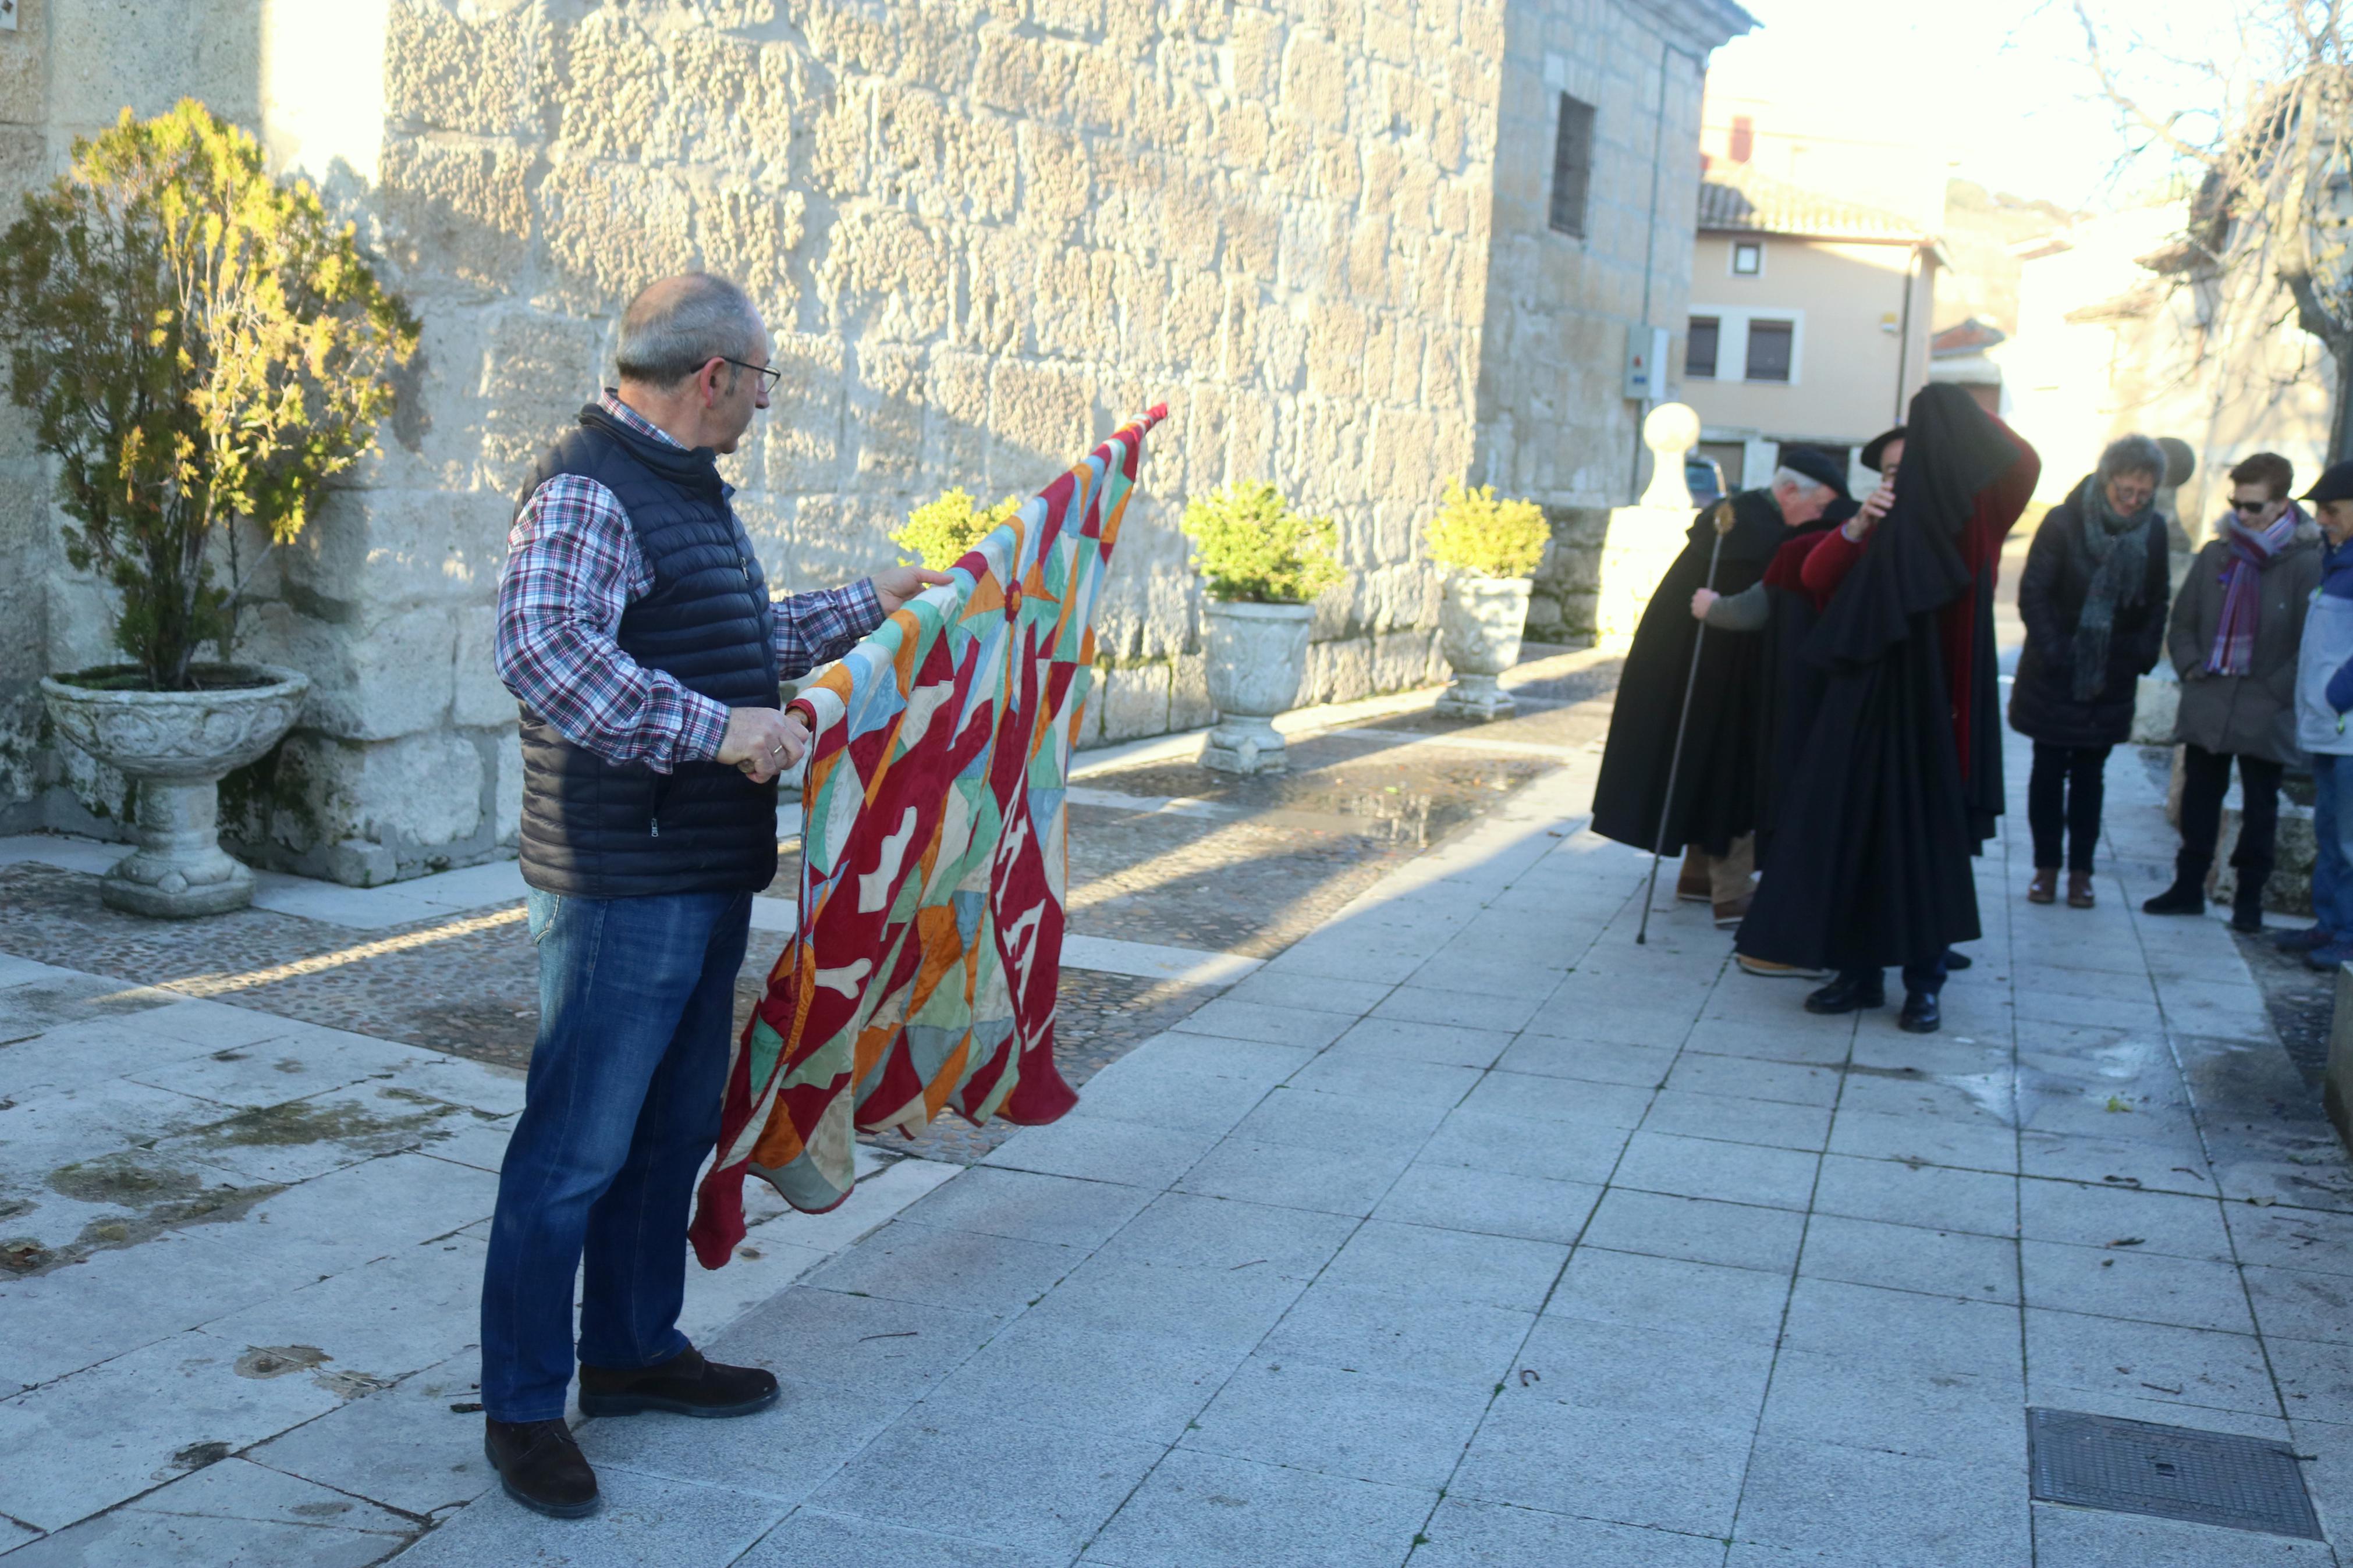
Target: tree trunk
x,y
2340,420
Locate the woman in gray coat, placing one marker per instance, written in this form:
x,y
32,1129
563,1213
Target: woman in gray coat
x,y
2234,637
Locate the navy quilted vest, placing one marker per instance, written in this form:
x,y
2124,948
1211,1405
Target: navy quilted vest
x,y
610,830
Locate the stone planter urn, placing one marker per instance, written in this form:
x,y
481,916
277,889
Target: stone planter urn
x,y
1256,656
177,745
1480,620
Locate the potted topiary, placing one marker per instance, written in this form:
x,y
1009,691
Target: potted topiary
x,y
1261,562
1493,548
942,530
199,348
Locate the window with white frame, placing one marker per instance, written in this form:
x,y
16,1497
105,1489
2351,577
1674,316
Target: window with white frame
x,y
1761,344
1748,259
1770,347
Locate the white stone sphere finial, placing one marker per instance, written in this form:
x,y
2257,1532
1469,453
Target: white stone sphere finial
x,y
1670,430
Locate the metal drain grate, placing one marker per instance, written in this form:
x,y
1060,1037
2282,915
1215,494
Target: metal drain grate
x,y
2172,1472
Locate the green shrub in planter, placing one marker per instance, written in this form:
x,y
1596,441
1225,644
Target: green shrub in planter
x,y
199,345
1473,532
942,531
1249,547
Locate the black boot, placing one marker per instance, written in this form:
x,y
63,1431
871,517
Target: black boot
x,y
1850,994
2188,894
541,1467
2247,901
686,1385
1922,1014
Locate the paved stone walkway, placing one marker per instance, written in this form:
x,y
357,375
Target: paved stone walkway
x,y
1463,1231
248,1235
1469,1232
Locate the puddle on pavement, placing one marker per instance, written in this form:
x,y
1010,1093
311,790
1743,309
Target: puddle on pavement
x,y
1988,1091
280,1360
153,1193
300,1121
1390,791
40,1004
156,1193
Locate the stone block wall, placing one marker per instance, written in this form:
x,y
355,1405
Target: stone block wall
x,y
1554,423
981,232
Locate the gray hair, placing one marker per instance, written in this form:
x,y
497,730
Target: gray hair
x,y
1804,484
2133,455
675,327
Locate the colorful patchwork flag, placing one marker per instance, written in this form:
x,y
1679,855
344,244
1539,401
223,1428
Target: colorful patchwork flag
x,y
922,974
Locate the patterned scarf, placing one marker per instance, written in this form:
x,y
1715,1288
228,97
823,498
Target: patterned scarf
x,y
2116,553
2252,550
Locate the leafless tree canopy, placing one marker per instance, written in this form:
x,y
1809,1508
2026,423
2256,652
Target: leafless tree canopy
x,y
2267,141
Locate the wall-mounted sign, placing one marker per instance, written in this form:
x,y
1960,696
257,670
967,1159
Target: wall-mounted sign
x,y
7,16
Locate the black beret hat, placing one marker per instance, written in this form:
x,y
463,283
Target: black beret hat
x,y
1816,465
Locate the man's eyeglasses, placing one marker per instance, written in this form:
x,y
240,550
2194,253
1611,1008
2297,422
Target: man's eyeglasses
x,y
2249,506
768,376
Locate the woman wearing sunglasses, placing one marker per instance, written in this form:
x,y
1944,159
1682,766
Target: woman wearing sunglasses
x,y
2234,638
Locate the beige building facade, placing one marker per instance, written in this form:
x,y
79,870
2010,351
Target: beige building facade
x,y
1350,244
1808,321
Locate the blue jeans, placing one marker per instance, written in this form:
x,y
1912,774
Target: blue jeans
x,y
636,1000
1928,977
2332,827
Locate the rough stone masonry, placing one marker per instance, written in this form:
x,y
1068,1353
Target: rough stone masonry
x,y
983,231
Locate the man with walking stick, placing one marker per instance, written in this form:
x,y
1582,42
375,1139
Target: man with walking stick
x,y
1709,744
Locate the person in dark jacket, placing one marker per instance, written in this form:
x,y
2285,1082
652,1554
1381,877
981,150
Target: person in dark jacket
x,y
1714,806
2324,698
2234,638
636,631
2093,597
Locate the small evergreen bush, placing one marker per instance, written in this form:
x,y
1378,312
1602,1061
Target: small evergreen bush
x,y
1250,547
942,530
198,345
1476,532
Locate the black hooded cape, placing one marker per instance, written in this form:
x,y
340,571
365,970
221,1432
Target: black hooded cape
x,y
1870,857
1715,788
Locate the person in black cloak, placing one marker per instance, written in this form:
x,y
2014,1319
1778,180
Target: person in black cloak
x,y
1714,806
1788,688
1897,778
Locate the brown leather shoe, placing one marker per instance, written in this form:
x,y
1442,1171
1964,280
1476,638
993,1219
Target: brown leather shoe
x,y
1766,969
1728,915
1692,884
2079,891
686,1385
541,1467
2044,889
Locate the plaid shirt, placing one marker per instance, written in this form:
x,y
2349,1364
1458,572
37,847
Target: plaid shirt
x,y
573,566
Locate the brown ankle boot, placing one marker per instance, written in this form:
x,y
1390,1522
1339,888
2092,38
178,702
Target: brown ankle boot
x,y
1692,884
2044,889
541,1467
2079,891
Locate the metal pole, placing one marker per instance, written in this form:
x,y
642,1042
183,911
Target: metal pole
x,y
1675,759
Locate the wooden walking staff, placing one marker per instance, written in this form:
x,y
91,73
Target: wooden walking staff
x,y
1722,518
